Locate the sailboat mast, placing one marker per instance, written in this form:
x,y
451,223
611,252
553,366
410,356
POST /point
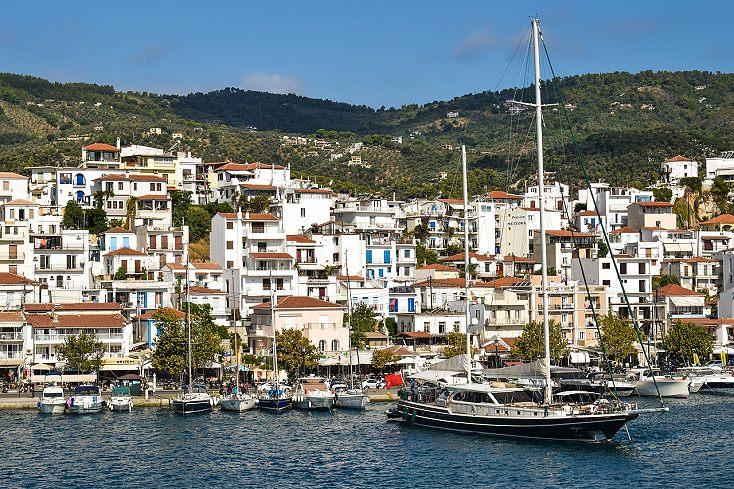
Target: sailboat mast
x,y
349,311
467,314
188,327
541,196
273,298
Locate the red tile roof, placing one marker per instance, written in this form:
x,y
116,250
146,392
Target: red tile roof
x,y
653,204
501,282
9,175
720,219
518,259
205,265
7,278
11,317
22,202
119,230
169,310
259,186
263,166
300,302
299,238
233,167
77,321
438,267
101,147
624,230
677,158
565,233
442,283
499,194
253,216
677,290
271,255
198,290
154,197
451,201
125,252
415,334
73,306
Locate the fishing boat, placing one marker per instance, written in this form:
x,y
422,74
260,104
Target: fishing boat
x,y
352,397
52,400
507,411
195,399
120,399
237,401
274,397
312,394
86,399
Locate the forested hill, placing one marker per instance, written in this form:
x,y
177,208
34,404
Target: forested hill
x,y
625,124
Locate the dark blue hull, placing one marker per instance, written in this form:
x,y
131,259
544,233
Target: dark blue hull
x,y
191,407
276,405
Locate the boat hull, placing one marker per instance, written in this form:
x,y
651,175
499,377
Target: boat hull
x,y
185,407
591,428
121,405
351,401
275,405
237,405
90,409
667,387
52,407
313,403
712,384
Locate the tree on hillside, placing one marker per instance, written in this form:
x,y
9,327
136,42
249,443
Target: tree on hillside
x,y
424,256
530,345
720,190
684,339
259,203
603,249
619,336
296,354
82,352
662,194
664,279
73,216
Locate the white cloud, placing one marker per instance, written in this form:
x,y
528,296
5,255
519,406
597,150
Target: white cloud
x,y
475,44
272,82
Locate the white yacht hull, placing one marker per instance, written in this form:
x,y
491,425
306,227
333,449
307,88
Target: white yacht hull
x,y
351,401
313,403
237,405
121,404
54,406
668,387
712,383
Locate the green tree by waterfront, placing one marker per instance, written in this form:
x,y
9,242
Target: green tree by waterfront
x,y
456,344
619,337
296,354
380,358
82,352
684,339
529,346
363,320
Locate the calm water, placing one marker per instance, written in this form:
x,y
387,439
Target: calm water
x,y
691,446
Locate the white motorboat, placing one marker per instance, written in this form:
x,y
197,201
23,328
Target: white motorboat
x,y
52,400
87,399
712,382
313,394
349,398
650,383
120,400
237,402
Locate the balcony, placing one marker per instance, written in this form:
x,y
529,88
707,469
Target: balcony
x,y
5,256
60,338
59,268
11,355
11,336
323,326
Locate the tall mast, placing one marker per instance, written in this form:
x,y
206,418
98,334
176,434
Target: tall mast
x,y
188,327
541,196
349,311
273,298
467,314
236,347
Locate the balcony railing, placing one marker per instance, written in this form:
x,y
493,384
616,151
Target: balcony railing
x,y
11,336
60,337
12,256
323,325
60,268
10,355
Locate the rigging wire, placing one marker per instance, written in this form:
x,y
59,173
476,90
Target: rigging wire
x,y
587,179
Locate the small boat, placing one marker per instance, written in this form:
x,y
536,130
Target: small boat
x,y
52,400
313,394
347,398
275,398
711,381
87,399
651,383
196,400
120,400
613,384
237,402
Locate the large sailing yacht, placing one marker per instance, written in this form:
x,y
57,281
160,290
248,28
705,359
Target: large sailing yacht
x,y
520,412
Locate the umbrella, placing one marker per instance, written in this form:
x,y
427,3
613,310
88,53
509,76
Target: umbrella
x,y
130,377
41,366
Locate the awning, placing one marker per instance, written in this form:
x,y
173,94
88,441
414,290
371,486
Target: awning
x,y
119,367
41,366
434,375
12,362
726,349
687,301
74,378
579,357
678,247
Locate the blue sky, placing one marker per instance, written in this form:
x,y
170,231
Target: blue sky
x,y
375,53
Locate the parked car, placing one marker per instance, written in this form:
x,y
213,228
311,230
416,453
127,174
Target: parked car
x,y
373,384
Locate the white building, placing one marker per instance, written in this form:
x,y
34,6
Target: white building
x,y
677,167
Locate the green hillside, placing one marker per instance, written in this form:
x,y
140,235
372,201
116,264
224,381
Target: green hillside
x,y
625,123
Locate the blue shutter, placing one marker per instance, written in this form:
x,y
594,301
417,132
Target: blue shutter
x,y
386,256
113,244
381,272
369,256
126,242
411,304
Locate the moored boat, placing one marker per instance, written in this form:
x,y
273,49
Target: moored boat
x,y
52,400
120,399
312,394
196,400
86,399
346,398
275,398
237,402
651,383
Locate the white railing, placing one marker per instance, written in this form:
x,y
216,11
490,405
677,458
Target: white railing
x,y
53,337
10,336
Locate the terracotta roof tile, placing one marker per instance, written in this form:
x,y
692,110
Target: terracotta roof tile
x,y
438,267
351,278
125,252
299,302
7,278
271,255
153,197
677,290
476,256
499,194
442,282
299,238
653,204
259,186
721,219
21,202
565,233
252,216
233,167
9,175
624,230
77,321
101,147
119,230
677,158
518,259
502,282
198,290
11,317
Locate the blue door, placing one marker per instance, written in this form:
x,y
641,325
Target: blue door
x,y
369,256
381,272
113,244
386,256
80,196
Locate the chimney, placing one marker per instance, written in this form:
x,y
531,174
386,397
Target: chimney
x,y
118,143
247,215
239,213
54,317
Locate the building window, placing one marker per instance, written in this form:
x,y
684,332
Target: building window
x,y
303,212
322,345
334,345
279,284
606,266
230,264
230,225
230,245
457,325
441,327
582,335
266,284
